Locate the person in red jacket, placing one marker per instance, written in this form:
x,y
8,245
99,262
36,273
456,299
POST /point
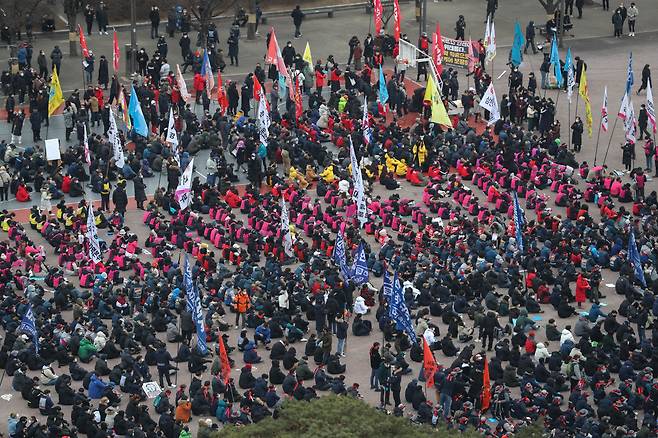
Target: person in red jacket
x,y
320,76
582,286
335,79
199,85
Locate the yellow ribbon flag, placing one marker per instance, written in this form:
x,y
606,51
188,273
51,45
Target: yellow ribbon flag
x,y
307,55
439,113
55,97
583,90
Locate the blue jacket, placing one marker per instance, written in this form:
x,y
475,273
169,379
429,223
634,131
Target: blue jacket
x,y
263,331
97,387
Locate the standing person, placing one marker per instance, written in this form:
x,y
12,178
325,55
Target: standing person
x,y
56,59
233,49
241,303
577,134
154,16
568,7
46,205
320,76
358,55
627,156
375,363
633,12
530,38
162,361
396,384
460,28
297,17
101,18
354,41
579,6
5,182
89,18
341,336
492,5
649,153
606,5
35,121
105,194
140,190
103,72
640,182
646,78
617,23
369,49
17,127
643,122
185,44
42,62
89,67
326,342
120,199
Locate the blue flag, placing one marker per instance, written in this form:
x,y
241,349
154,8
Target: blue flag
x,y
383,91
519,222
555,63
340,258
634,257
29,326
517,56
630,78
360,267
399,312
193,302
135,112
388,286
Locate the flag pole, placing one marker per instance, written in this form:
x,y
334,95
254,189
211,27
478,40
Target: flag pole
x,y
598,135
614,125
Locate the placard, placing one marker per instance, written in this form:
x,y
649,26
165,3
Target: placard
x,y
52,149
151,389
456,52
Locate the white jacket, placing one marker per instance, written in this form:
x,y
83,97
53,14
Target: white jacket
x,y
100,340
360,307
541,352
566,336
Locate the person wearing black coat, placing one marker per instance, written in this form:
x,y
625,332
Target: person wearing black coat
x,y
140,190
247,379
103,72
577,134
120,199
276,375
278,349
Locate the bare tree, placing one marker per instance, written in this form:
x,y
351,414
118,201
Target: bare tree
x,y
71,11
204,10
17,13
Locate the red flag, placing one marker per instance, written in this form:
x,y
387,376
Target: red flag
x,y
222,99
299,109
257,89
116,55
429,364
83,42
437,49
398,20
379,13
223,358
486,387
272,49
472,59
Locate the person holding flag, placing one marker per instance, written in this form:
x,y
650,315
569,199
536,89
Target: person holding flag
x,y
29,326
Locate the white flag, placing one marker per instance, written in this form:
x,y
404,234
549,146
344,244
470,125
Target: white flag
x,y
264,120
357,178
184,189
172,136
182,86
490,103
285,229
651,109
92,237
571,82
85,144
115,141
491,46
604,110
627,114
365,124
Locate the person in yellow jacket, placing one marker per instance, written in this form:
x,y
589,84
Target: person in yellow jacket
x,y
342,103
420,153
401,168
391,163
328,174
310,173
295,175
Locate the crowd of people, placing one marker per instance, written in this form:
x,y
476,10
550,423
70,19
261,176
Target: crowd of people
x,y
474,290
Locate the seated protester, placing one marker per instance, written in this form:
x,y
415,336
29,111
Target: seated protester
x,y
184,352
532,305
250,355
290,358
279,349
276,375
564,310
361,327
510,377
322,381
243,341
448,347
552,332
388,180
76,189
338,385
247,379
263,334
311,345
334,366
302,369
293,334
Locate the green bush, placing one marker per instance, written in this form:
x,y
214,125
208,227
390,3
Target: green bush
x,y
335,417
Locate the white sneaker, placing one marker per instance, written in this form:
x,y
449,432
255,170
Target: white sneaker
x,y
100,33
304,340
106,33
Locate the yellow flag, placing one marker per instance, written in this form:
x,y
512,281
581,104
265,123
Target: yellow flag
x,y
307,54
55,97
583,90
439,113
